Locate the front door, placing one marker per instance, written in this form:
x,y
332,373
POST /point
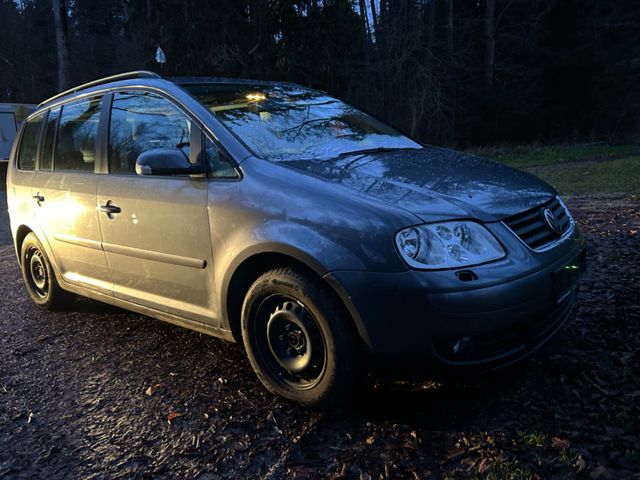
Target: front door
x,y
64,193
155,230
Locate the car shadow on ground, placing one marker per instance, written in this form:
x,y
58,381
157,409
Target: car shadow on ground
x,y
88,306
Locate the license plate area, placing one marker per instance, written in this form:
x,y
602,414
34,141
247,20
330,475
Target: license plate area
x,y
565,279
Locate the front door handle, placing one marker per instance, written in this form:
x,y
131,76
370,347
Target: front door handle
x,y
110,209
39,198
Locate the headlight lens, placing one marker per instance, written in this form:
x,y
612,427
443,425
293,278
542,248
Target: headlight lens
x,y
448,245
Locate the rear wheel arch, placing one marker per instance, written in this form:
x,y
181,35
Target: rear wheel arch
x,y
21,234
39,275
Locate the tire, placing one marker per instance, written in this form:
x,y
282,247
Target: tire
x,y
300,340
39,277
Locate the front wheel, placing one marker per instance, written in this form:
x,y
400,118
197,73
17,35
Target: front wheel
x,y
300,340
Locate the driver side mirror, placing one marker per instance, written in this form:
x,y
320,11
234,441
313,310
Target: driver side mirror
x,y
166,161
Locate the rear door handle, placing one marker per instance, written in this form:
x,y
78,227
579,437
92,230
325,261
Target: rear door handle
x,y
109,209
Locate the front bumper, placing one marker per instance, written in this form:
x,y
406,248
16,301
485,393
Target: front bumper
x,y
415,323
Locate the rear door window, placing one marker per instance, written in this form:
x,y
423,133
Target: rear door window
x,y
28,149
75,149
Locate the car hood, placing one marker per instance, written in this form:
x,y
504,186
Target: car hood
x,y
434,183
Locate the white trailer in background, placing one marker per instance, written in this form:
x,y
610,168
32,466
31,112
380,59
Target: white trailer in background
x,y
11,116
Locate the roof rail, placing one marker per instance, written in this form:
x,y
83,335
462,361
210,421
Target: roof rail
x,y
112,78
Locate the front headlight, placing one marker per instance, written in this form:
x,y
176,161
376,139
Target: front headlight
x,y
448,245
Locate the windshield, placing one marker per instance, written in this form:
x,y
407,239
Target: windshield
x,y
282,123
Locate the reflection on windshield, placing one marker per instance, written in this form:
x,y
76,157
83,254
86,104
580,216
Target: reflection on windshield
x,y
287,123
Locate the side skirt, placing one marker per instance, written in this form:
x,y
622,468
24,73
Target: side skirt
x,y
150,312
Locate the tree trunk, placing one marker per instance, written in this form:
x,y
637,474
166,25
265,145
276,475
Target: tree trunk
x,y
365,22
374,18
62,42
452,72
431,27
450,30
595,20
383,39
490,42
366,58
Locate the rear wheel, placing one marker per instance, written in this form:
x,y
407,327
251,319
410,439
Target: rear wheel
x,y
39,276
299,339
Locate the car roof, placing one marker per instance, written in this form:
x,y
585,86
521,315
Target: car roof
x,y
186,81
151,76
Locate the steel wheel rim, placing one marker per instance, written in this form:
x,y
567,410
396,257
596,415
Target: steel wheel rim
x,y
38,275
290,342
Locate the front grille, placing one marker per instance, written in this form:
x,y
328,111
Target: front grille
x,y
532,227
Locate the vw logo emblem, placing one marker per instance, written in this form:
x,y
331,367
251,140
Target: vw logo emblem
x,y
552,221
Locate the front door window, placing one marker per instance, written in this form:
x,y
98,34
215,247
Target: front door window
x,y
142,121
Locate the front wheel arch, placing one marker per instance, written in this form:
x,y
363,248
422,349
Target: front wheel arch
x,y
299,339
255,265
248,272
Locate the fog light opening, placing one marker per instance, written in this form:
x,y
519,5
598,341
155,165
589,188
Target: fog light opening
x,y
466,276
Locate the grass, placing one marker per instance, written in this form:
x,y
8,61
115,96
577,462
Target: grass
x,y
613,176
533,439
523,156
503,469
576,169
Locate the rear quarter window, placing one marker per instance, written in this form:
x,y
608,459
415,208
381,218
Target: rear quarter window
x,y
46,152
28,148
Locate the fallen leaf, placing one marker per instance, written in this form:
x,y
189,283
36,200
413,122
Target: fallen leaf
x,y
151,390
483,465
560,443
456,453
173,415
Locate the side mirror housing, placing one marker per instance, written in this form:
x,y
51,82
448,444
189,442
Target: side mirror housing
x,y
166,161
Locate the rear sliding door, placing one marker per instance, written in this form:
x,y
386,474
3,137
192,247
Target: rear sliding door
x,y
64,193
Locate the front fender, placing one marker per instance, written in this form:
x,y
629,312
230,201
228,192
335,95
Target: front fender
x,y
302,244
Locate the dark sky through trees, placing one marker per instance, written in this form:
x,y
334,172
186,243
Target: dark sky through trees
x,y
446,71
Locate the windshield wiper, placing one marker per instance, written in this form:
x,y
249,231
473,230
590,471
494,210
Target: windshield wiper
x,y
366,151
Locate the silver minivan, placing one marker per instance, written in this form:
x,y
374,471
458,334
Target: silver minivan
x,y
325,241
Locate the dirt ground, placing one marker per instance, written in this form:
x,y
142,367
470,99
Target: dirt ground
x,y
98,392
